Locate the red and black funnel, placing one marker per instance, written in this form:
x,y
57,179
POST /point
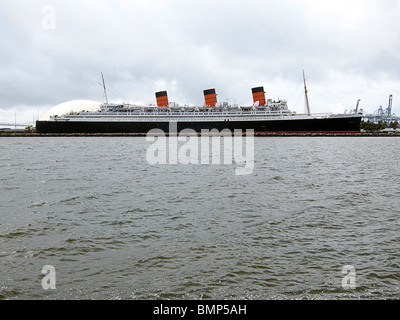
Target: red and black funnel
x,y
259,95
210,97
162,99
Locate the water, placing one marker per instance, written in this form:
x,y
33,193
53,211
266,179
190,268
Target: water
x,y
115,227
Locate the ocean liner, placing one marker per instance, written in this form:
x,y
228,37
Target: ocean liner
x,y
265,115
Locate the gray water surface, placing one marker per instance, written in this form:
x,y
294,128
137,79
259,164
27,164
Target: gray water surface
x,y
115,227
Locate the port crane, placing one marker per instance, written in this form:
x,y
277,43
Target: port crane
x,y
384,115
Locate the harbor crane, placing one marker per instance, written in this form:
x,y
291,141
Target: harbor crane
x,y
384,115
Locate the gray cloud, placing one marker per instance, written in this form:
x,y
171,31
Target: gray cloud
x,y
349,50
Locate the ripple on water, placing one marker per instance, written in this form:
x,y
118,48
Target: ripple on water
x,y
116,227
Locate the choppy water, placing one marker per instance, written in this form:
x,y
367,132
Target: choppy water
x,y
115,227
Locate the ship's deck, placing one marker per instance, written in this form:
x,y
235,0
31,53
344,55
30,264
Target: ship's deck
x,y
178,116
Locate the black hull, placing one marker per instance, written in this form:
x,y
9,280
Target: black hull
x,y
331,125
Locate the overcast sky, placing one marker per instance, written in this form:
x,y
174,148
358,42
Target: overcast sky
x,y
54,51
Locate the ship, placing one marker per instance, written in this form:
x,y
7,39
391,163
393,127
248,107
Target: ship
x,y
263,116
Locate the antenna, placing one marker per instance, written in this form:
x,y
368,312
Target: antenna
x,y
104,87
305,90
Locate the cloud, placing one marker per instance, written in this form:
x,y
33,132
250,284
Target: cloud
x,y
349,50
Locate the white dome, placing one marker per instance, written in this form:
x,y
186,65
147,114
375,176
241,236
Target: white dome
x,y
71,106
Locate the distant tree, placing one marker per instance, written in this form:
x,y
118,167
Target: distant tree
x,y
381,125
371,126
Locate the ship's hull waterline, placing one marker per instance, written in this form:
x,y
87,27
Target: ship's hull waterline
x,y
303,125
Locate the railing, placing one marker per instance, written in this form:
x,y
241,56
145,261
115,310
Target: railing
x,y
189,117
179,116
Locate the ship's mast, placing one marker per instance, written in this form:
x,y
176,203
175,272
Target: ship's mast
x,y
305,90
104,87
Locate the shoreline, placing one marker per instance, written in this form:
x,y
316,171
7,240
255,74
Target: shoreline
x,y
259,134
